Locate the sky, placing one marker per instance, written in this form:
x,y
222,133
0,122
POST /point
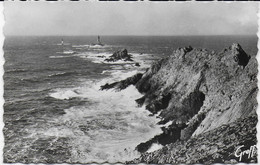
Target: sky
x,y
128,18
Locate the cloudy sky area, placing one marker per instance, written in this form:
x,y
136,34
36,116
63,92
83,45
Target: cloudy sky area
x,y
125,18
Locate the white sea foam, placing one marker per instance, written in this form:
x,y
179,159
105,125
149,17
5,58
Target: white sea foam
x,y
99,57
57,74
93,90
94,56
61,44
80,46
65,94
66,52
144,60
98,47
167,124
106,71
154,147
107,129
115,126
59,56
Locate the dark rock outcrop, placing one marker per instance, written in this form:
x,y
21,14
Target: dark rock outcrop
x,y
137,64
169,135
120,55
240,55
124,83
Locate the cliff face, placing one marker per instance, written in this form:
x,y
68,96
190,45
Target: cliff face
x,y
201,90
198,92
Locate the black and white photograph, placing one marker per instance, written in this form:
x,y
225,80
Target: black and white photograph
x,y
130,82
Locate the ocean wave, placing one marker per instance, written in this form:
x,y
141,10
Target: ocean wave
x,y
15,70
80,46
105,71
94,56
143,59
67,93
59,56
119,62
100,46
109,129
63,44
66,52
32,80
60,74
93,47
154,147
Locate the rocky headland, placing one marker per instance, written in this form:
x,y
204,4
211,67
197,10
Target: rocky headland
x,y
208,101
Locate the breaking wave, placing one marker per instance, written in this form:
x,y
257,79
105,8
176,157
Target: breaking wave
x,y
109,127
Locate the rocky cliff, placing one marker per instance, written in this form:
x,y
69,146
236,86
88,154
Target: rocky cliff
x,y
198,92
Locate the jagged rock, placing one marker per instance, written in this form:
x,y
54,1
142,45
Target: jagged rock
x,y
141,85
239,55
124,83
120,55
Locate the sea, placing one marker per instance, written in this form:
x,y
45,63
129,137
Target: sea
x,y
54,110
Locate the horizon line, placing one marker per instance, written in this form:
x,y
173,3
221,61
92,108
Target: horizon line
x,y
58,35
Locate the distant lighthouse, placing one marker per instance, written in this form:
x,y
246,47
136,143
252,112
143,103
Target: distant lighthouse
x,y
98,43
62,42
98,40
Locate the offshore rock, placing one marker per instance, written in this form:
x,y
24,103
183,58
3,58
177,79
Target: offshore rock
x,y
120,55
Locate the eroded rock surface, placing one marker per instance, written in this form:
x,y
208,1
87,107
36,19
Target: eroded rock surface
x,y
221,145
200,89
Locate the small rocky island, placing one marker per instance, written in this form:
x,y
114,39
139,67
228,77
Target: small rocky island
x,y
120,55
208,98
